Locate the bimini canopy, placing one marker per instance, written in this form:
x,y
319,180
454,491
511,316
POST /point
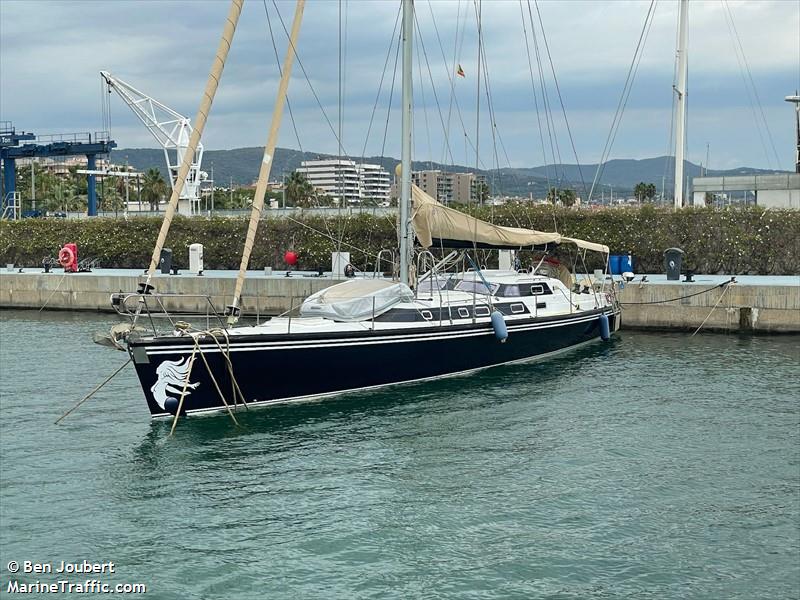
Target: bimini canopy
x,y
454,229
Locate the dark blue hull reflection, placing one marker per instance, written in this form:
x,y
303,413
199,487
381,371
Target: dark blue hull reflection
x,y
277,368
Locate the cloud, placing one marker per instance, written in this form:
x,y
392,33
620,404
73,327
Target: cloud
x,y
49,82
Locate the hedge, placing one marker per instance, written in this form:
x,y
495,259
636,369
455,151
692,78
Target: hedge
x,y
736,241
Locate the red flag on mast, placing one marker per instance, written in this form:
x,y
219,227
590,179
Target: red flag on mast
x,y
460,71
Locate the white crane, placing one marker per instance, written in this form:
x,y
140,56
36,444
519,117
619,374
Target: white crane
x,y
172,130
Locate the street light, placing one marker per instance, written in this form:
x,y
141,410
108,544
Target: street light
x,y
611,202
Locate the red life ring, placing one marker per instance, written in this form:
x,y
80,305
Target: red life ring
x,y
65,257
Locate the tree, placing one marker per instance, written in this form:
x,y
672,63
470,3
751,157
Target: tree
x,y
563,196
299,191
644,192
113,198
481,192
154,188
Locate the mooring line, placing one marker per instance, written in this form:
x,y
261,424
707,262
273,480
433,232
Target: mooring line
x,y
94,391
185,386
54,291
711,311
705,291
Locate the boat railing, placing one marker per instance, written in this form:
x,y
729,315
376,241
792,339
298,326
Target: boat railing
x,y
392,260
156,308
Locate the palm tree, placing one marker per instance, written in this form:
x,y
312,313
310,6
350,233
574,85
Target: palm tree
x,y
298,190
154,188
112,198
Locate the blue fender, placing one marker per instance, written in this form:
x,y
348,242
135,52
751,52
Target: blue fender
x,y
499,326
605,328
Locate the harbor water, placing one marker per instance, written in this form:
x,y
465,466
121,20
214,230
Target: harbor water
x,y
652,466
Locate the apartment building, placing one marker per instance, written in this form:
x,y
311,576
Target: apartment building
x,y
375,183
344,179
460,188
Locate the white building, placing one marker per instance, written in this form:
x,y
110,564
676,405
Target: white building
x,y
336,178
780,190
343,179
375,183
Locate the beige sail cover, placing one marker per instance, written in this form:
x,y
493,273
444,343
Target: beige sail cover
x,y
433,220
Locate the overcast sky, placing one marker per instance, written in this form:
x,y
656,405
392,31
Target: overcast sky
x,y
51,54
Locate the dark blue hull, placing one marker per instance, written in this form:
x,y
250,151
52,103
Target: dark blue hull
x,y
274,368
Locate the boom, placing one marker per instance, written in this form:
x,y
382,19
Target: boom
x,y
172,131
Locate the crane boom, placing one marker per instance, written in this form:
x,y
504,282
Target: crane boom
x,y
172,131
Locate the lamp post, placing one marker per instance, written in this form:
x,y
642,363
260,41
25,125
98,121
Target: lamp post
x,y
796,101
610,202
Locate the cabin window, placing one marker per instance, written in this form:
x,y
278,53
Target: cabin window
x,y
537,289
463,313
477,287
517,308
541,305
481,311
508,291
427,315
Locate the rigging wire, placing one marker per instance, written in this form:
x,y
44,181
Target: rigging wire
x,y
560,99
535,98
497,138
623,99
555,152
280,73
433,88
477,4
342,75
288,104
451,82
744,66
391,98
305,75
450,69
380,84
424,107
670,142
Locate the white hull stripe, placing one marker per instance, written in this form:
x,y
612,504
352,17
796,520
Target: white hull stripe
x,y
322,343
312,397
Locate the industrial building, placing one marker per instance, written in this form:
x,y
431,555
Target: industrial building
x,y
780,190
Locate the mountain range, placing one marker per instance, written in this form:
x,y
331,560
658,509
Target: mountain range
x,y
240,166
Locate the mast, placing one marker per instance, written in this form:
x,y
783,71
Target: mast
x,y
266,163
680,89
200,122
406,242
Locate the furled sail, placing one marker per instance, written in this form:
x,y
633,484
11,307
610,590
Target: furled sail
x,y
437,224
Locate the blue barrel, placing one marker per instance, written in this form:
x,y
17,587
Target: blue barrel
x,y
614,264
626,263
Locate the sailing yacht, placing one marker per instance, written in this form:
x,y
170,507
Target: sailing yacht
x,y
444,316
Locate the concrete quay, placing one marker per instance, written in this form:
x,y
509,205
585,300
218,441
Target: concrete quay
x,y
752,304
262,294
